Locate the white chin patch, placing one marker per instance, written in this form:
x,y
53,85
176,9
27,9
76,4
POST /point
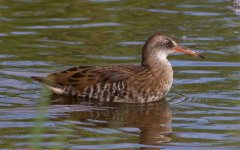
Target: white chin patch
x,y
161,55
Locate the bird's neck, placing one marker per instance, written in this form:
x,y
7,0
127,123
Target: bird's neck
x,y
156,61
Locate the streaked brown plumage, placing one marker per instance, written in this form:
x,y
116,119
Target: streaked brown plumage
x,y
146,82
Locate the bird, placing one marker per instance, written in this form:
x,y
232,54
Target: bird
x,y
145,82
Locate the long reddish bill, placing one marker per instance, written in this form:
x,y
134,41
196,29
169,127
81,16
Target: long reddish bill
x,y
185,50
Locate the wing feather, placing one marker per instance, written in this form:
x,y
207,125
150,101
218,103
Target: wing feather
x,y
82,77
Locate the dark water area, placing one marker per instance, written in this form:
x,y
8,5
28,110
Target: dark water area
x,y
38,37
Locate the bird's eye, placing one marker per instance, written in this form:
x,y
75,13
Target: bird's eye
x,y
168,43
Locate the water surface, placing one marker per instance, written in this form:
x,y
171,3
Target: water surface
x,y
38,37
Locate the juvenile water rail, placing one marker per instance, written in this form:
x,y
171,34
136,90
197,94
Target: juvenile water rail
x,y
147,82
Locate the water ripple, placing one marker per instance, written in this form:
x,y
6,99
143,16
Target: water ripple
x,y
60,41
207,136
64,19
3,34
104,1
195,13
23,33
163,11
203,64
90,25
110,57
193,6
130,43
24,63
6,56
199,80
25,73
191,13
3,19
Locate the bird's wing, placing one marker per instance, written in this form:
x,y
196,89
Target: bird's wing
x,y
84,76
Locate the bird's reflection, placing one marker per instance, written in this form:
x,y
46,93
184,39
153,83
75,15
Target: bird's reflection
x,y
152,119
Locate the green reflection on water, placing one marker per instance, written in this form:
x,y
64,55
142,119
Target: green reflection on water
x,y
44,36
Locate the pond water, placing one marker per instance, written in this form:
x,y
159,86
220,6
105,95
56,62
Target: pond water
x,y
37,37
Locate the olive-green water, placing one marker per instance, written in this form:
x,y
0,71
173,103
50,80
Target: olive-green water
x,y
37,37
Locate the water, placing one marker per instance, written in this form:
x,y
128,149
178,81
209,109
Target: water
x,y
38,37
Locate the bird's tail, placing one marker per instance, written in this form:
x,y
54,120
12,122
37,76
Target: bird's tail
x,y
49,85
